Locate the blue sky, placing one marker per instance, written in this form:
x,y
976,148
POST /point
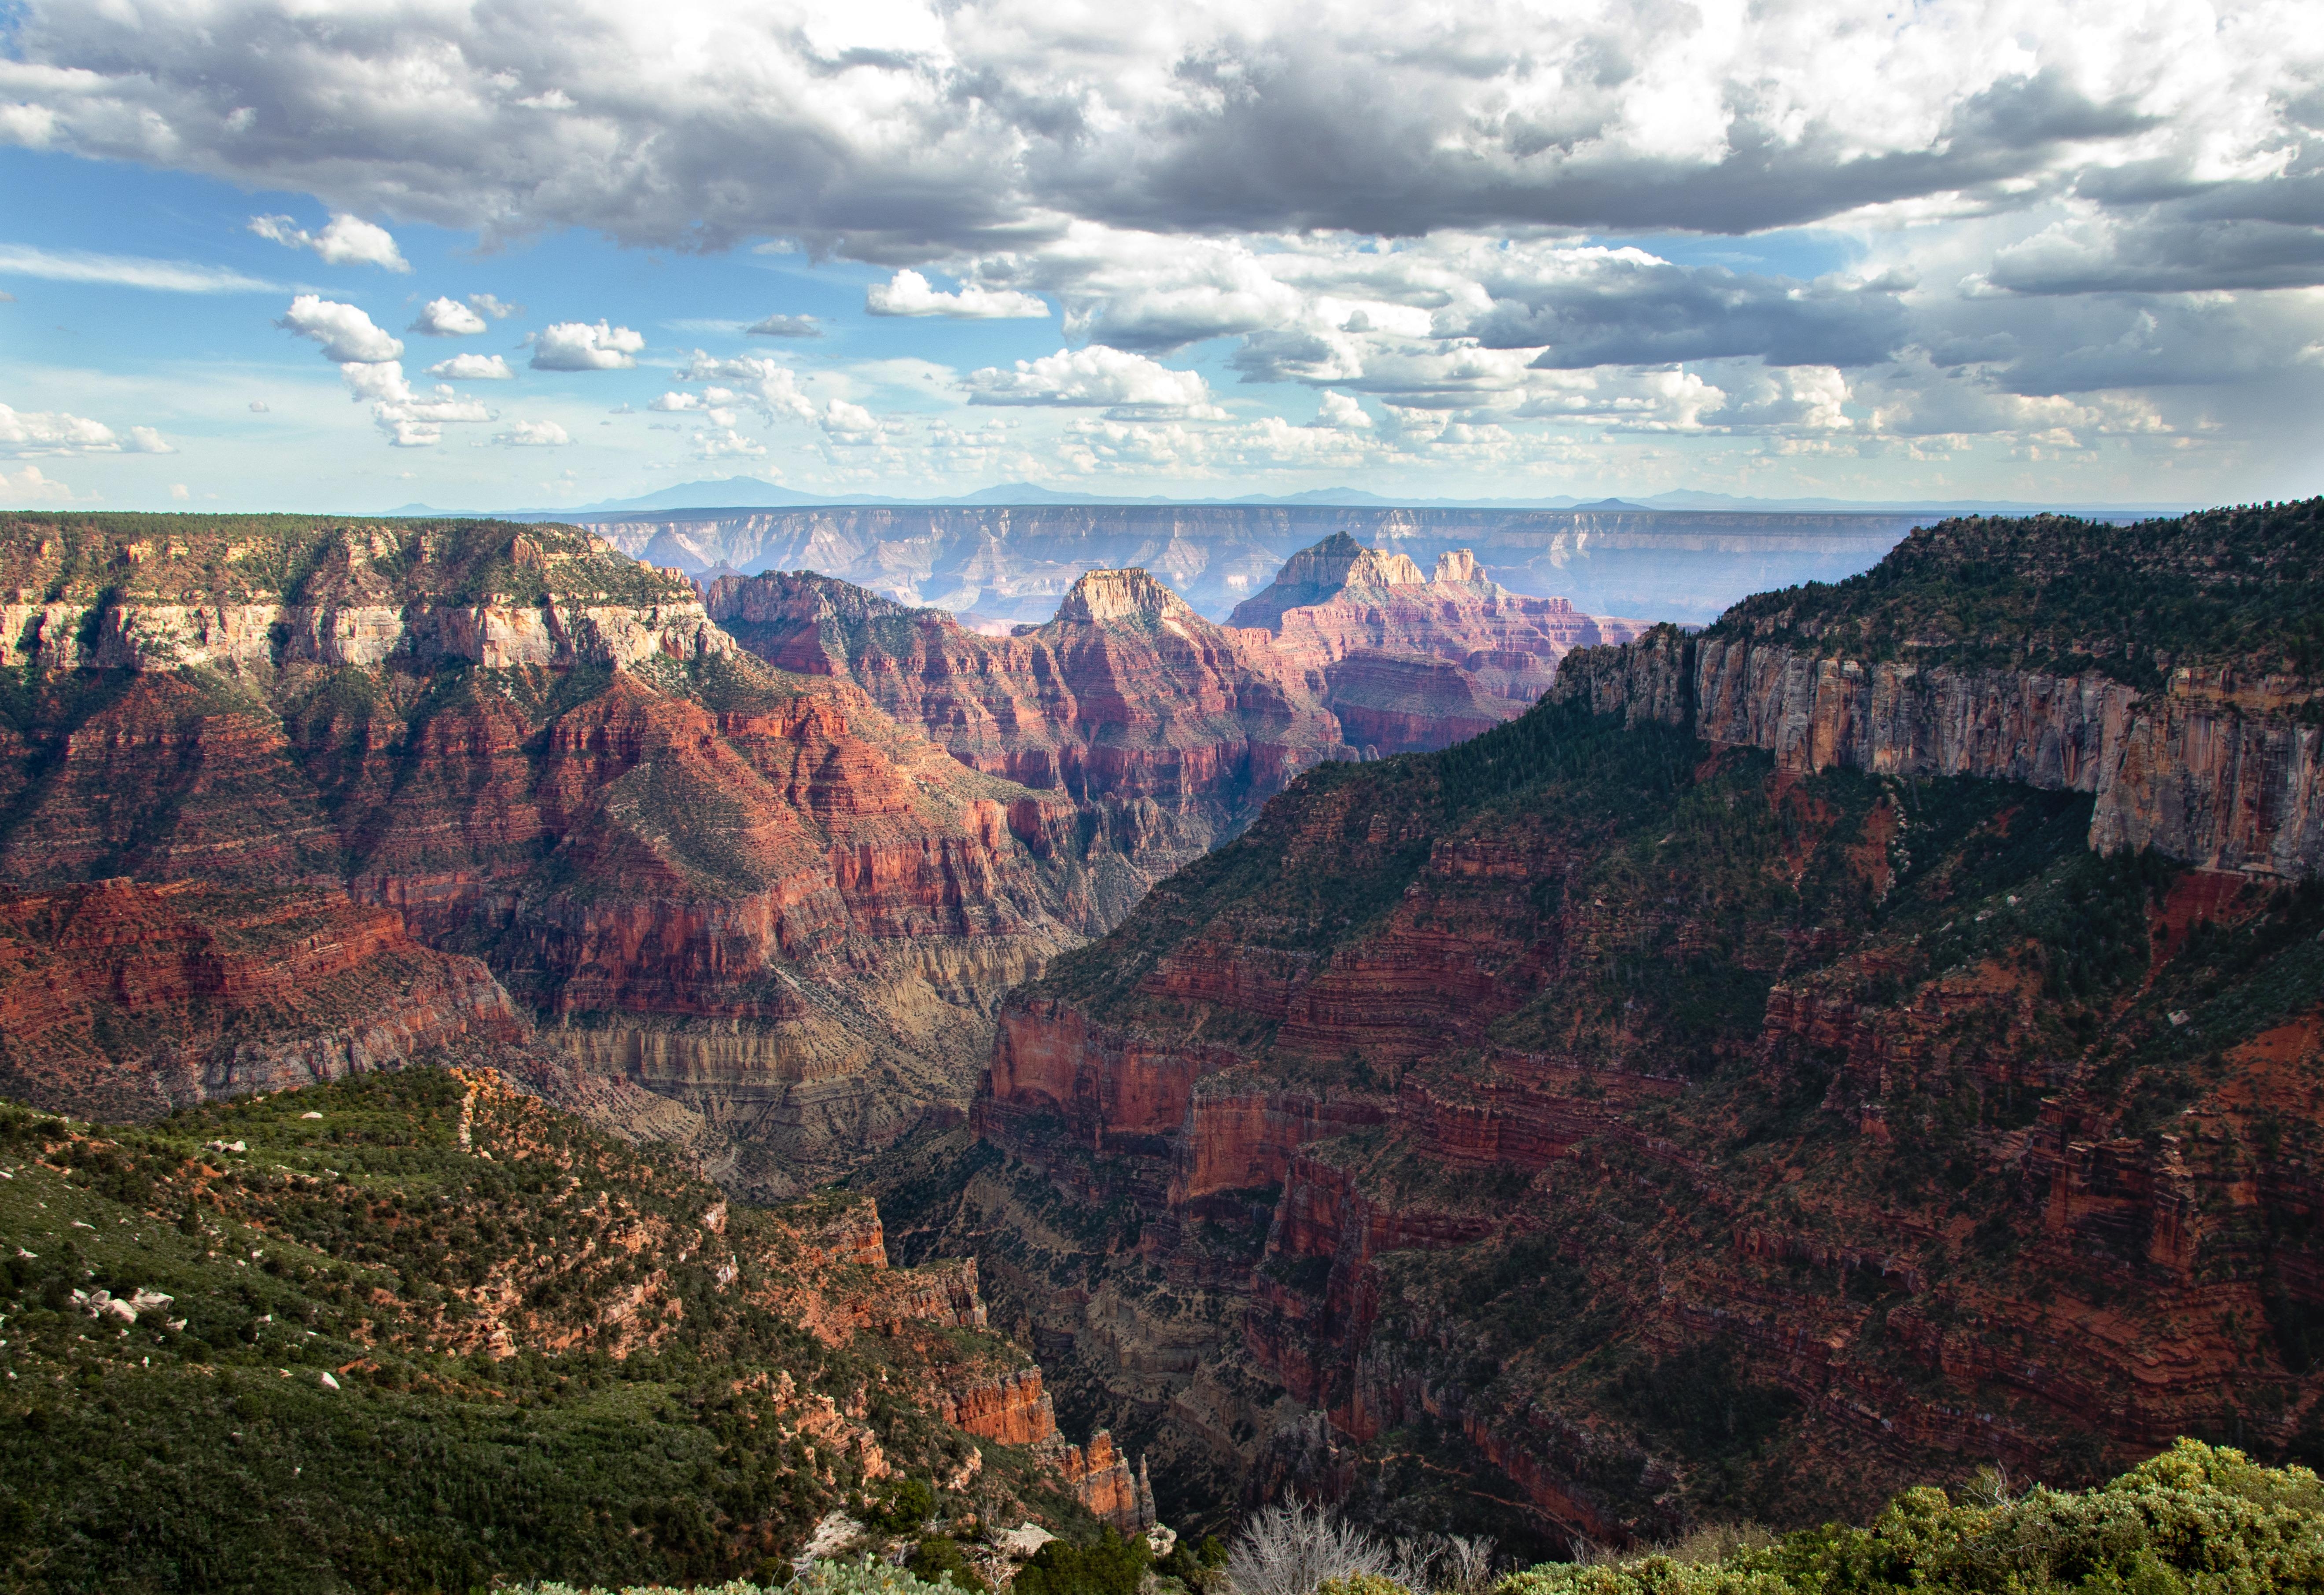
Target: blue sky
x,y
2071,253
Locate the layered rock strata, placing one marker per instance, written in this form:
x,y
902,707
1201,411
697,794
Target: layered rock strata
x,y
1645,1126
123,1000
749,890
1167,729
2210,769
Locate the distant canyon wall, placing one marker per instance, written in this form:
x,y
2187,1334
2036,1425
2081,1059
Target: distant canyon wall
x,y
1015,563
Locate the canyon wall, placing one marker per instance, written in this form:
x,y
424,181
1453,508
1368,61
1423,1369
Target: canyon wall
x,y
1167,731
1765,1074
750,890
2211,768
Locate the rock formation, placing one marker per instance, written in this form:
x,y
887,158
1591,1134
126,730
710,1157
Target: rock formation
x,y
1629,1115
1167,729
2201,742
747,889
1412,666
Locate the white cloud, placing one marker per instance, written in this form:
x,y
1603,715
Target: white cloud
x,y
785,326
410,420
577,346
909,294
45,432
1342,413
258,407
346,333
146,440
532,435
472,368
770,388
178,492
30,486
486,304
447,317
345,241
122,271
1095,376
726,443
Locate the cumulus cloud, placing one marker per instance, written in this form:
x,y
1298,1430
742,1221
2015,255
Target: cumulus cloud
x,y
258,407
1625,307
768,386
410,419
29,486
726,443
1342,413
785,326
532,435
486,305
347,335
345,241
146,440
909,294
844,423
472,368
577,346
1096,376
447,317
45,432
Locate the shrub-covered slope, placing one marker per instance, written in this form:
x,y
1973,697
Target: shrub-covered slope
x,y
422,1332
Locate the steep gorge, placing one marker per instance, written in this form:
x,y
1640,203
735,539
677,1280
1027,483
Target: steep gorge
x,y
1689,1101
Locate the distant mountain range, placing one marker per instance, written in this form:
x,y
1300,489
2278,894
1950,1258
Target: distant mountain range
x,y
749,492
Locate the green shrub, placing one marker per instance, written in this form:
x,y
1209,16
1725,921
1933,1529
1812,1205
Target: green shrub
x,y
937,1558
1112,1566
2197,1520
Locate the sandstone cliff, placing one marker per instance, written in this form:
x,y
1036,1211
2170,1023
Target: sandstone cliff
x,y
1412,666
2198,735
120,1000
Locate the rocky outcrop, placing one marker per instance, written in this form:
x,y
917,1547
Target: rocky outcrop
x,y
1409,666
1011,1408
1099,1477
1390,703
2210,769
123,1002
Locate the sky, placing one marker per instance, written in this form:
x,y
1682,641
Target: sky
x,y
344,255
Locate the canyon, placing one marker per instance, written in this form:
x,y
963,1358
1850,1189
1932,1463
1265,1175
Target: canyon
x,y
751,870
1788,1063
1167,730
1014,563
1503,1068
